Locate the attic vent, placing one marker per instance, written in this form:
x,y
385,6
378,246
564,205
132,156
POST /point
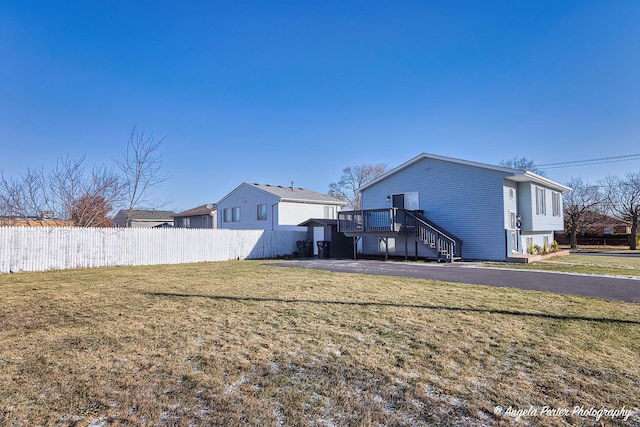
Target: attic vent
x,y
279,186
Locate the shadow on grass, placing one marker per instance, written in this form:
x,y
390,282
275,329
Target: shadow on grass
x,y
396,305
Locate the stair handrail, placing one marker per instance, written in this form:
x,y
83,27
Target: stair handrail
x,y
453,240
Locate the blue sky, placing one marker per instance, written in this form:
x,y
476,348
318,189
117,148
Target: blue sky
x,y
274,92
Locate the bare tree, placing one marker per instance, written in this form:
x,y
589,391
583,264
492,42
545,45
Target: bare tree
x,y
66,191
354,177
92,211
623,201
26,197
141,167
522,164
581,206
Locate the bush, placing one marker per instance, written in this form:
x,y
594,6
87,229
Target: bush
x,y
555,247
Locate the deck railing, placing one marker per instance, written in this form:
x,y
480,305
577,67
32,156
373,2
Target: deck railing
x,y
373,220
445,245
394,220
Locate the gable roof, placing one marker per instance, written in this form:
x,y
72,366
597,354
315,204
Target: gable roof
x,y
515,175
200,210
146,214
288,194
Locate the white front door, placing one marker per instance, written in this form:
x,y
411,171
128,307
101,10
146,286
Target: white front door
x,y
318,234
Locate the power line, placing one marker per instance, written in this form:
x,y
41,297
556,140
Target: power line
x,y
588,162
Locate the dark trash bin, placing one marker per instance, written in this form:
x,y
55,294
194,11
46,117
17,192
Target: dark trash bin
x,y
324,249
304,248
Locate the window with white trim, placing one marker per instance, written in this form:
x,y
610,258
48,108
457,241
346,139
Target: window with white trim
x,y
262,212
541,205
555,203
231,215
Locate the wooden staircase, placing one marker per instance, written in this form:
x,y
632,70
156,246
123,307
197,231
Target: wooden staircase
x,y
446,246
391,222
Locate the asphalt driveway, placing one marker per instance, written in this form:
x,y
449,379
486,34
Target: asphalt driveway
x,y
616,288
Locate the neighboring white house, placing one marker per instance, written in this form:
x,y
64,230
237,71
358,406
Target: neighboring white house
x,y
273,207
483,211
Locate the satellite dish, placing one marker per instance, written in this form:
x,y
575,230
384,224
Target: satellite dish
x,y
209,206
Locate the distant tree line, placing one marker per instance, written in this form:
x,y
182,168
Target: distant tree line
x,y
84,196
616,196
586,203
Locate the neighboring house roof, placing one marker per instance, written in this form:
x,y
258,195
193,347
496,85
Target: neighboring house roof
x,y
146,214
289,194
200,210
516,175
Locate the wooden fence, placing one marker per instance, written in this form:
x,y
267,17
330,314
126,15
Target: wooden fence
x,y
60,248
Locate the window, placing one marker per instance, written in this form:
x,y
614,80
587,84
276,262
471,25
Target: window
x,y
512,220
231,215
545,240
329,212
387,244
205,221
185,222
555,204
541,205
262,212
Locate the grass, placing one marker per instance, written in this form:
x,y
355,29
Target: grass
x,y
584,264
242,343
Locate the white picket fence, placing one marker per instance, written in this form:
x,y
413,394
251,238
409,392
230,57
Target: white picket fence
x,y
60,248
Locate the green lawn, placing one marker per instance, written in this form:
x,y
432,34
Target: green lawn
x,y
584,264
242,343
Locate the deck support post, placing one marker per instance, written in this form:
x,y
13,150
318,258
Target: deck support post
x,y
386,248
355,246
406,238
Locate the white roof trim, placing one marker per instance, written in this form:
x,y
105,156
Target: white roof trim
x,y
517,176
541,180
437,157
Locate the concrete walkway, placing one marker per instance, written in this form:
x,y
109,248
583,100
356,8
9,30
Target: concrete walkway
x,y
608,287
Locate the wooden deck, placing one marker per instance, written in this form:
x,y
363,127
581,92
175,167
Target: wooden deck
x,y
390,222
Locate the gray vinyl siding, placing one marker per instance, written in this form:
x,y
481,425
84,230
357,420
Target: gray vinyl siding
x,y
195,221
247,198
526,203
510,203
531,220
465,200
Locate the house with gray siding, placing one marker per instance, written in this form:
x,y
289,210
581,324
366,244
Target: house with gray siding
x,y
273,207
441,207
144,218
203,216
